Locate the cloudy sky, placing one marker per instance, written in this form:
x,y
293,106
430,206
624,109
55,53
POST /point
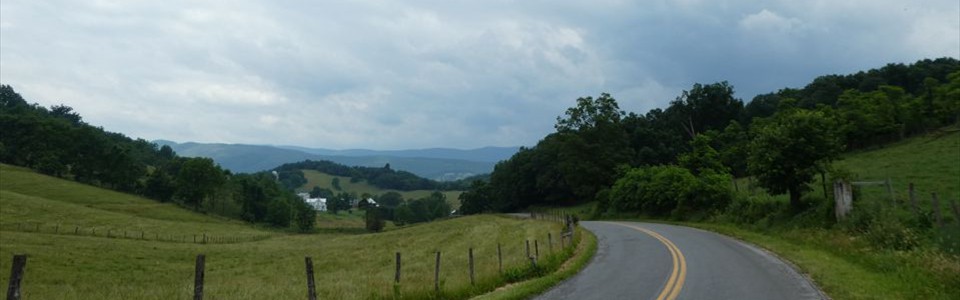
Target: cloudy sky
x,y
417,74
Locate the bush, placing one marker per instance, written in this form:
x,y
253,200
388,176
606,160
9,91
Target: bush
x,y
890,233
750,209
374,219
662,190
882,227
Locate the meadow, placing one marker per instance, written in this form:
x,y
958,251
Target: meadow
x,y
323,180
347,266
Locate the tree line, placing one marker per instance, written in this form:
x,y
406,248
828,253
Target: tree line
x,y
681,160
57,142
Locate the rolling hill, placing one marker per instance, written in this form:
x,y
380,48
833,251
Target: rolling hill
x,y
63,264
437,164
323,180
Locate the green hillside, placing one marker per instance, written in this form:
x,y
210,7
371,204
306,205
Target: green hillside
x,y
323,180
31,199
347,266
931,162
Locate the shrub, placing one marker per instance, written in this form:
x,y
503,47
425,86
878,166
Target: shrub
x,y
662,190
750,209
374,219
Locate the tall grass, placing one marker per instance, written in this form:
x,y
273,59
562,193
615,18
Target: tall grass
x,y
346,266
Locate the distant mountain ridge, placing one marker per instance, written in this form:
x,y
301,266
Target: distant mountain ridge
x,y
442,164
486,154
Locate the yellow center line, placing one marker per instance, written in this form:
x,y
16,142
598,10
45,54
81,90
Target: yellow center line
x,y
679,274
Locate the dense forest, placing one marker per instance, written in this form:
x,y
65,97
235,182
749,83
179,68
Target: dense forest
x,y
680,161
291,175
56,141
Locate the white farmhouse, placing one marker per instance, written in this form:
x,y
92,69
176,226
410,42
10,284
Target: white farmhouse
x,y
318,204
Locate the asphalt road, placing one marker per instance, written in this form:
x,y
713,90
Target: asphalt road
x,y
657,261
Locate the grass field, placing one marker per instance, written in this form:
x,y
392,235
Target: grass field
x,y
33,199
931,162
323,180
347,266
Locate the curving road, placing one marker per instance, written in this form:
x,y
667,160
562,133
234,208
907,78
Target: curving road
x,y
658,261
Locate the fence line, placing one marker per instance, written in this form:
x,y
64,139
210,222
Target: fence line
x,y
843,197
14,286
202,238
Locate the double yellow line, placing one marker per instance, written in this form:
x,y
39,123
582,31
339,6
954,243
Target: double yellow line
x,y
679,274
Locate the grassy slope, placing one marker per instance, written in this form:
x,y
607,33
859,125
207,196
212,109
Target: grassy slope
x,y
931,162
847,267
30,198
323,180
348,266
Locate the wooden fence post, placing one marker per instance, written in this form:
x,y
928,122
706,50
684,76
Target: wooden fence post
x,y
536,248
396,276
16,275
499,258
198,278
436,275
311,288
936,209
550,241
528,248
471,267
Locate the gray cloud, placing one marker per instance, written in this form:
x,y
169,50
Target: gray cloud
x,y
392,75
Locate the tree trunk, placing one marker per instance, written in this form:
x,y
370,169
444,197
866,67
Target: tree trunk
x,y
795,198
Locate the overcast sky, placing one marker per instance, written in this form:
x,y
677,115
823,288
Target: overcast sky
x,y
405,74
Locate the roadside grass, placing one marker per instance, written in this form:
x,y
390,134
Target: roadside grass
x,y
583,210
324,180
846,267
586,248
346,266
845,259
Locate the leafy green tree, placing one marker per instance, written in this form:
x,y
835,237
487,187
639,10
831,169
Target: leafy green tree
x,y
335,182
732,144
279,212
790,148
160,186
703,159
306,216
476,199
198,179
706,107
390,200
374,219
403,215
